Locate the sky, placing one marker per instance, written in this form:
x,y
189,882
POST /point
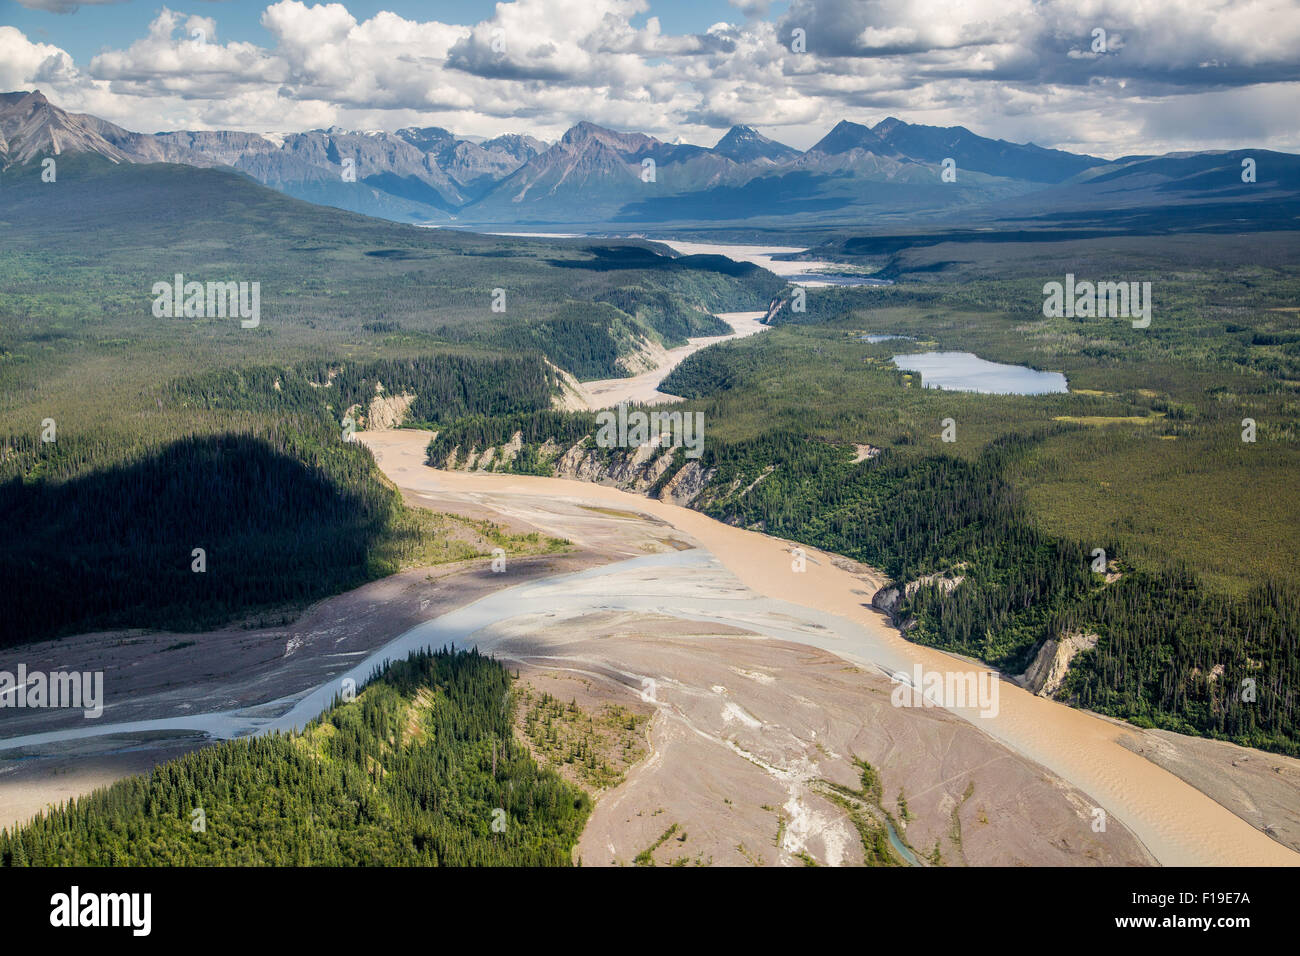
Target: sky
x,y
1107,77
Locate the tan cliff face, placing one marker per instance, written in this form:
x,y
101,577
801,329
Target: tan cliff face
x,y
572,396
645,356
637,470
773,308
685,486
475,460
1046,673
388,411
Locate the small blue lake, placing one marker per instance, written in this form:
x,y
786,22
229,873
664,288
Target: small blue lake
x,y
967,372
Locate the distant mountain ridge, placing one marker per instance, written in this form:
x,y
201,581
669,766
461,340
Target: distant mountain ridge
x,y
594,175
411,175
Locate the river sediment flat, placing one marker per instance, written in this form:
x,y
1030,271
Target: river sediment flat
x,y
1178,823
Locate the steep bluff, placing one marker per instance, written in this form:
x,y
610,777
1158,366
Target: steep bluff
x,y
650,469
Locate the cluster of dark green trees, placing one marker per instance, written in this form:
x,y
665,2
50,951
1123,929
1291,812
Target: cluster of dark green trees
x,y
584,338
446,386
1184,658
387,779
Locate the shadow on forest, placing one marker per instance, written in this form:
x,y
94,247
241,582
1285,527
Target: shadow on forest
x,y
114,548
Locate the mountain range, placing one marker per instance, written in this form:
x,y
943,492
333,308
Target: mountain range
x,y
892,171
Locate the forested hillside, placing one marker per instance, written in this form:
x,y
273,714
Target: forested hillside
x,y
444,387
83,254
421,769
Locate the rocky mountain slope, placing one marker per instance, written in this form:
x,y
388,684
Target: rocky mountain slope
x,y
594,176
